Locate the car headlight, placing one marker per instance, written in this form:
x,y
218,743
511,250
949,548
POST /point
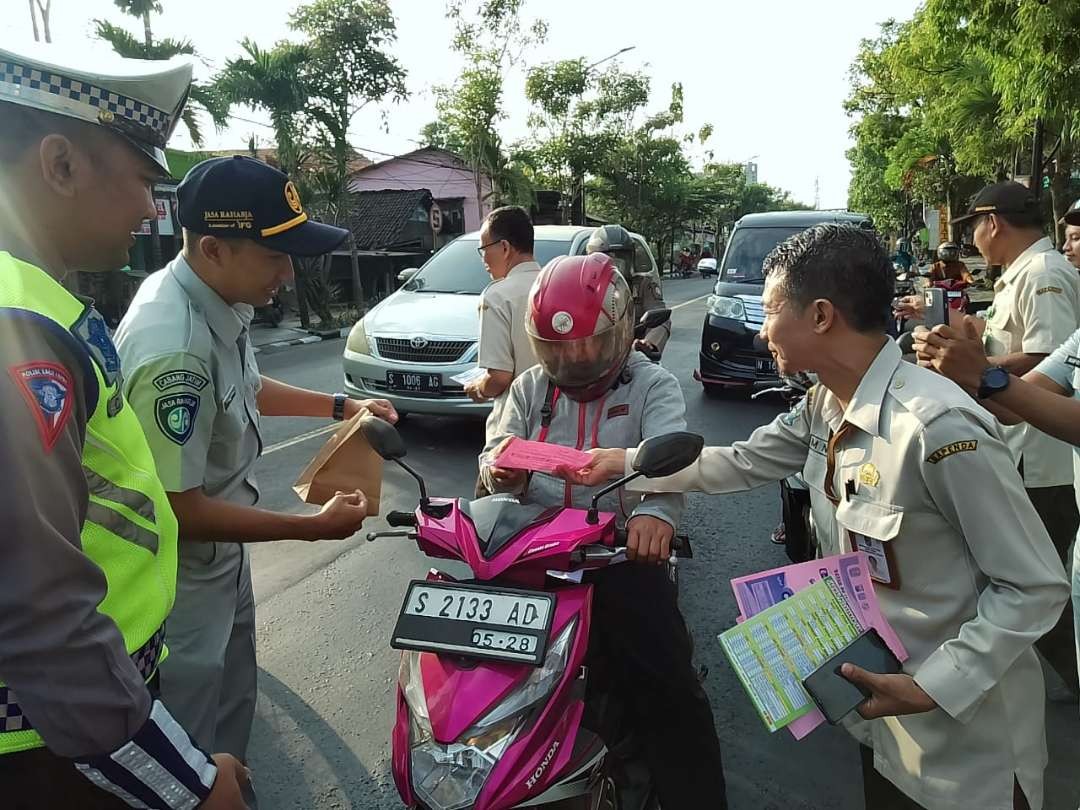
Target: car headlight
x,y
451,776
358,339
723,306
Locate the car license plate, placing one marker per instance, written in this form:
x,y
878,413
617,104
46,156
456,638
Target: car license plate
x,y
766,365
477,621
414,382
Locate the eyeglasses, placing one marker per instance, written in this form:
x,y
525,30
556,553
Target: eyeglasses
x,y
480,250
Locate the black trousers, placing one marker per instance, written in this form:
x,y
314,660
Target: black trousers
x,y
640,636
1057,508
39,780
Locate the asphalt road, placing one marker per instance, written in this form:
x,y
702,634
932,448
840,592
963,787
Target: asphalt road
x,y
325,612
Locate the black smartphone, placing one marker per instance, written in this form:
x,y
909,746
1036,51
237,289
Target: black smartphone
x,y
834,694
937,309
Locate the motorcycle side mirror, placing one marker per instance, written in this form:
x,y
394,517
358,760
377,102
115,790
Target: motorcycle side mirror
x,y
657,457
651,320
383,438
666,455
387,442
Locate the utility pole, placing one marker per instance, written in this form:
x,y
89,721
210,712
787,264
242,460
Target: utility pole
x,y
817,193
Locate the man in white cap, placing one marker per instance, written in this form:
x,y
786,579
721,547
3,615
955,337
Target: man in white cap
x,y
90,542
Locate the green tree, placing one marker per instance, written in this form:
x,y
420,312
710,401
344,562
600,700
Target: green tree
x,y
202,97
491,36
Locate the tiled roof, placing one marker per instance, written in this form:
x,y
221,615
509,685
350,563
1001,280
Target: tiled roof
x,y
377,218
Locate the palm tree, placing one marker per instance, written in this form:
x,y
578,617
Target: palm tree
x,y
141,9
203,97
270,80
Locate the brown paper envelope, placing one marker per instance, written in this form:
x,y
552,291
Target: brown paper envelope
x,y
346,462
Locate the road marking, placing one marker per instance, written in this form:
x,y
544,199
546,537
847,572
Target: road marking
x,y
303,437
691,301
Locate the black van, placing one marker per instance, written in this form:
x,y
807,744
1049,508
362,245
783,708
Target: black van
x,y
732,354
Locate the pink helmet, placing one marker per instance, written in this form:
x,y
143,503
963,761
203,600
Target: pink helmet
x,y
581,323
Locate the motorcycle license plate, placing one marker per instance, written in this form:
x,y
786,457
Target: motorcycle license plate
x,y
477,621
410,382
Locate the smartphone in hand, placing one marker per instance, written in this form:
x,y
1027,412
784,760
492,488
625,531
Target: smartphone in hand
x,y
936,308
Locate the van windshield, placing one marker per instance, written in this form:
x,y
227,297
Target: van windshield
x,y
747,251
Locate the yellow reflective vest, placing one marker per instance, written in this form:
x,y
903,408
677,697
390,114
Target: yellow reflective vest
x,y
130,530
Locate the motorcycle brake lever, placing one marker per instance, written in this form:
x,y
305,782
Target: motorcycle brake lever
x,y
373,536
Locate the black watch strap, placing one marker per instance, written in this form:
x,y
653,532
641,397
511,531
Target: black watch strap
x,y
339,407
995,379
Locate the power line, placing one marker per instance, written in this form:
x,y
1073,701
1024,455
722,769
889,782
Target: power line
x,y
366,149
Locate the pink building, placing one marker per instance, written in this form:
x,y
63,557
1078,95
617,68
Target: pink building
x,y
444,174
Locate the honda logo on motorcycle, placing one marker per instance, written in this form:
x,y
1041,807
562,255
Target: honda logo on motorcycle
x,y
419,342
539,772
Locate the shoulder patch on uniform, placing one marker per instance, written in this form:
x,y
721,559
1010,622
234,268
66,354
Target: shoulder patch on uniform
x,y
967,446
1044,290
175,415
92,332
47,389
1072,360
172,379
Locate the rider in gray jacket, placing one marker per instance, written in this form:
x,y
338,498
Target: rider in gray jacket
x,y
588,390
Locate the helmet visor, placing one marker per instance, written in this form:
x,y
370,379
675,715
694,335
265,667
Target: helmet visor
x,y
582,362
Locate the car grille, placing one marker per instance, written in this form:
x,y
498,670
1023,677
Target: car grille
x,y
434,351
755,313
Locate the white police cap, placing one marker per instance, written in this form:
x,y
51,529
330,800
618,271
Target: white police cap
x,y
139,100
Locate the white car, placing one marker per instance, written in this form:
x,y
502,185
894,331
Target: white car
x,y
411,344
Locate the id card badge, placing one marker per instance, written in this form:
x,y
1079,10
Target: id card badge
x,y
882,565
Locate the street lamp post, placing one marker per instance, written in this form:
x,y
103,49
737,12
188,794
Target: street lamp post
x,y
609,58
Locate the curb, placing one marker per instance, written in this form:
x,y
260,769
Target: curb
x,y
315,337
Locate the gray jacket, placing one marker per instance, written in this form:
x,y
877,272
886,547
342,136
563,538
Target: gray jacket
x,y
649,404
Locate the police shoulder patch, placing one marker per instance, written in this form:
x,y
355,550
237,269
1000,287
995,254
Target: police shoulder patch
x,y
966,446
180,377
92,332
175,415
47,388
1044,290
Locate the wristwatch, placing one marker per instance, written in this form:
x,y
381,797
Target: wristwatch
x,y
994,380
339,407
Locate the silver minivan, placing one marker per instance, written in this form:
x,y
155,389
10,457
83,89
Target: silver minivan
x,y
412,343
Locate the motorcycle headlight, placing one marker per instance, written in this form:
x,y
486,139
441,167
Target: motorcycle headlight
x,y
723,306
358,339
450,777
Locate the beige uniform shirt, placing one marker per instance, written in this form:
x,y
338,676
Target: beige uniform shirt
x,y
191,376
504,343
925,473
1036,308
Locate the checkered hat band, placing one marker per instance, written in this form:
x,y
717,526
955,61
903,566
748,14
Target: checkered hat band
x,y
145,659
59,93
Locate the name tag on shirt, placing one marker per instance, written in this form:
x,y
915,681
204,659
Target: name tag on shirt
x,y
881,569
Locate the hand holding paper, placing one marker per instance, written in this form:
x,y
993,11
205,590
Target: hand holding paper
x,y
520,454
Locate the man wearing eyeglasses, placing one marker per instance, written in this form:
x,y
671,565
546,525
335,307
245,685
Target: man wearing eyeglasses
x,y
506,248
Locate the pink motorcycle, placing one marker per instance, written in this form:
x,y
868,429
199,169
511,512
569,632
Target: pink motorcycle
x,y
492,685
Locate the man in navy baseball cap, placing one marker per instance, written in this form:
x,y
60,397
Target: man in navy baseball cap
x,y
243,198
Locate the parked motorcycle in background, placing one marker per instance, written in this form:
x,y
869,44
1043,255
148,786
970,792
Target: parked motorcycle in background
x,y
796,530
491,699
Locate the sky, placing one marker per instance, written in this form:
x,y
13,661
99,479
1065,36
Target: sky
x,y
769,75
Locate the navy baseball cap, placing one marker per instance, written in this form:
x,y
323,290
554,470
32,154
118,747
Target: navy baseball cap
x,y
240,197
1072,216
1008,197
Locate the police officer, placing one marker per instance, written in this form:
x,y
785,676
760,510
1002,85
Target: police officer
x,y
616,242
903,465
193,382
89,538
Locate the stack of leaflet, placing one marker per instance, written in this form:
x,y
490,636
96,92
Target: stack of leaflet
x,y
792,620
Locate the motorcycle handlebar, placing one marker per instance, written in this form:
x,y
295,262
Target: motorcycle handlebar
x,y
401,519
680,543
